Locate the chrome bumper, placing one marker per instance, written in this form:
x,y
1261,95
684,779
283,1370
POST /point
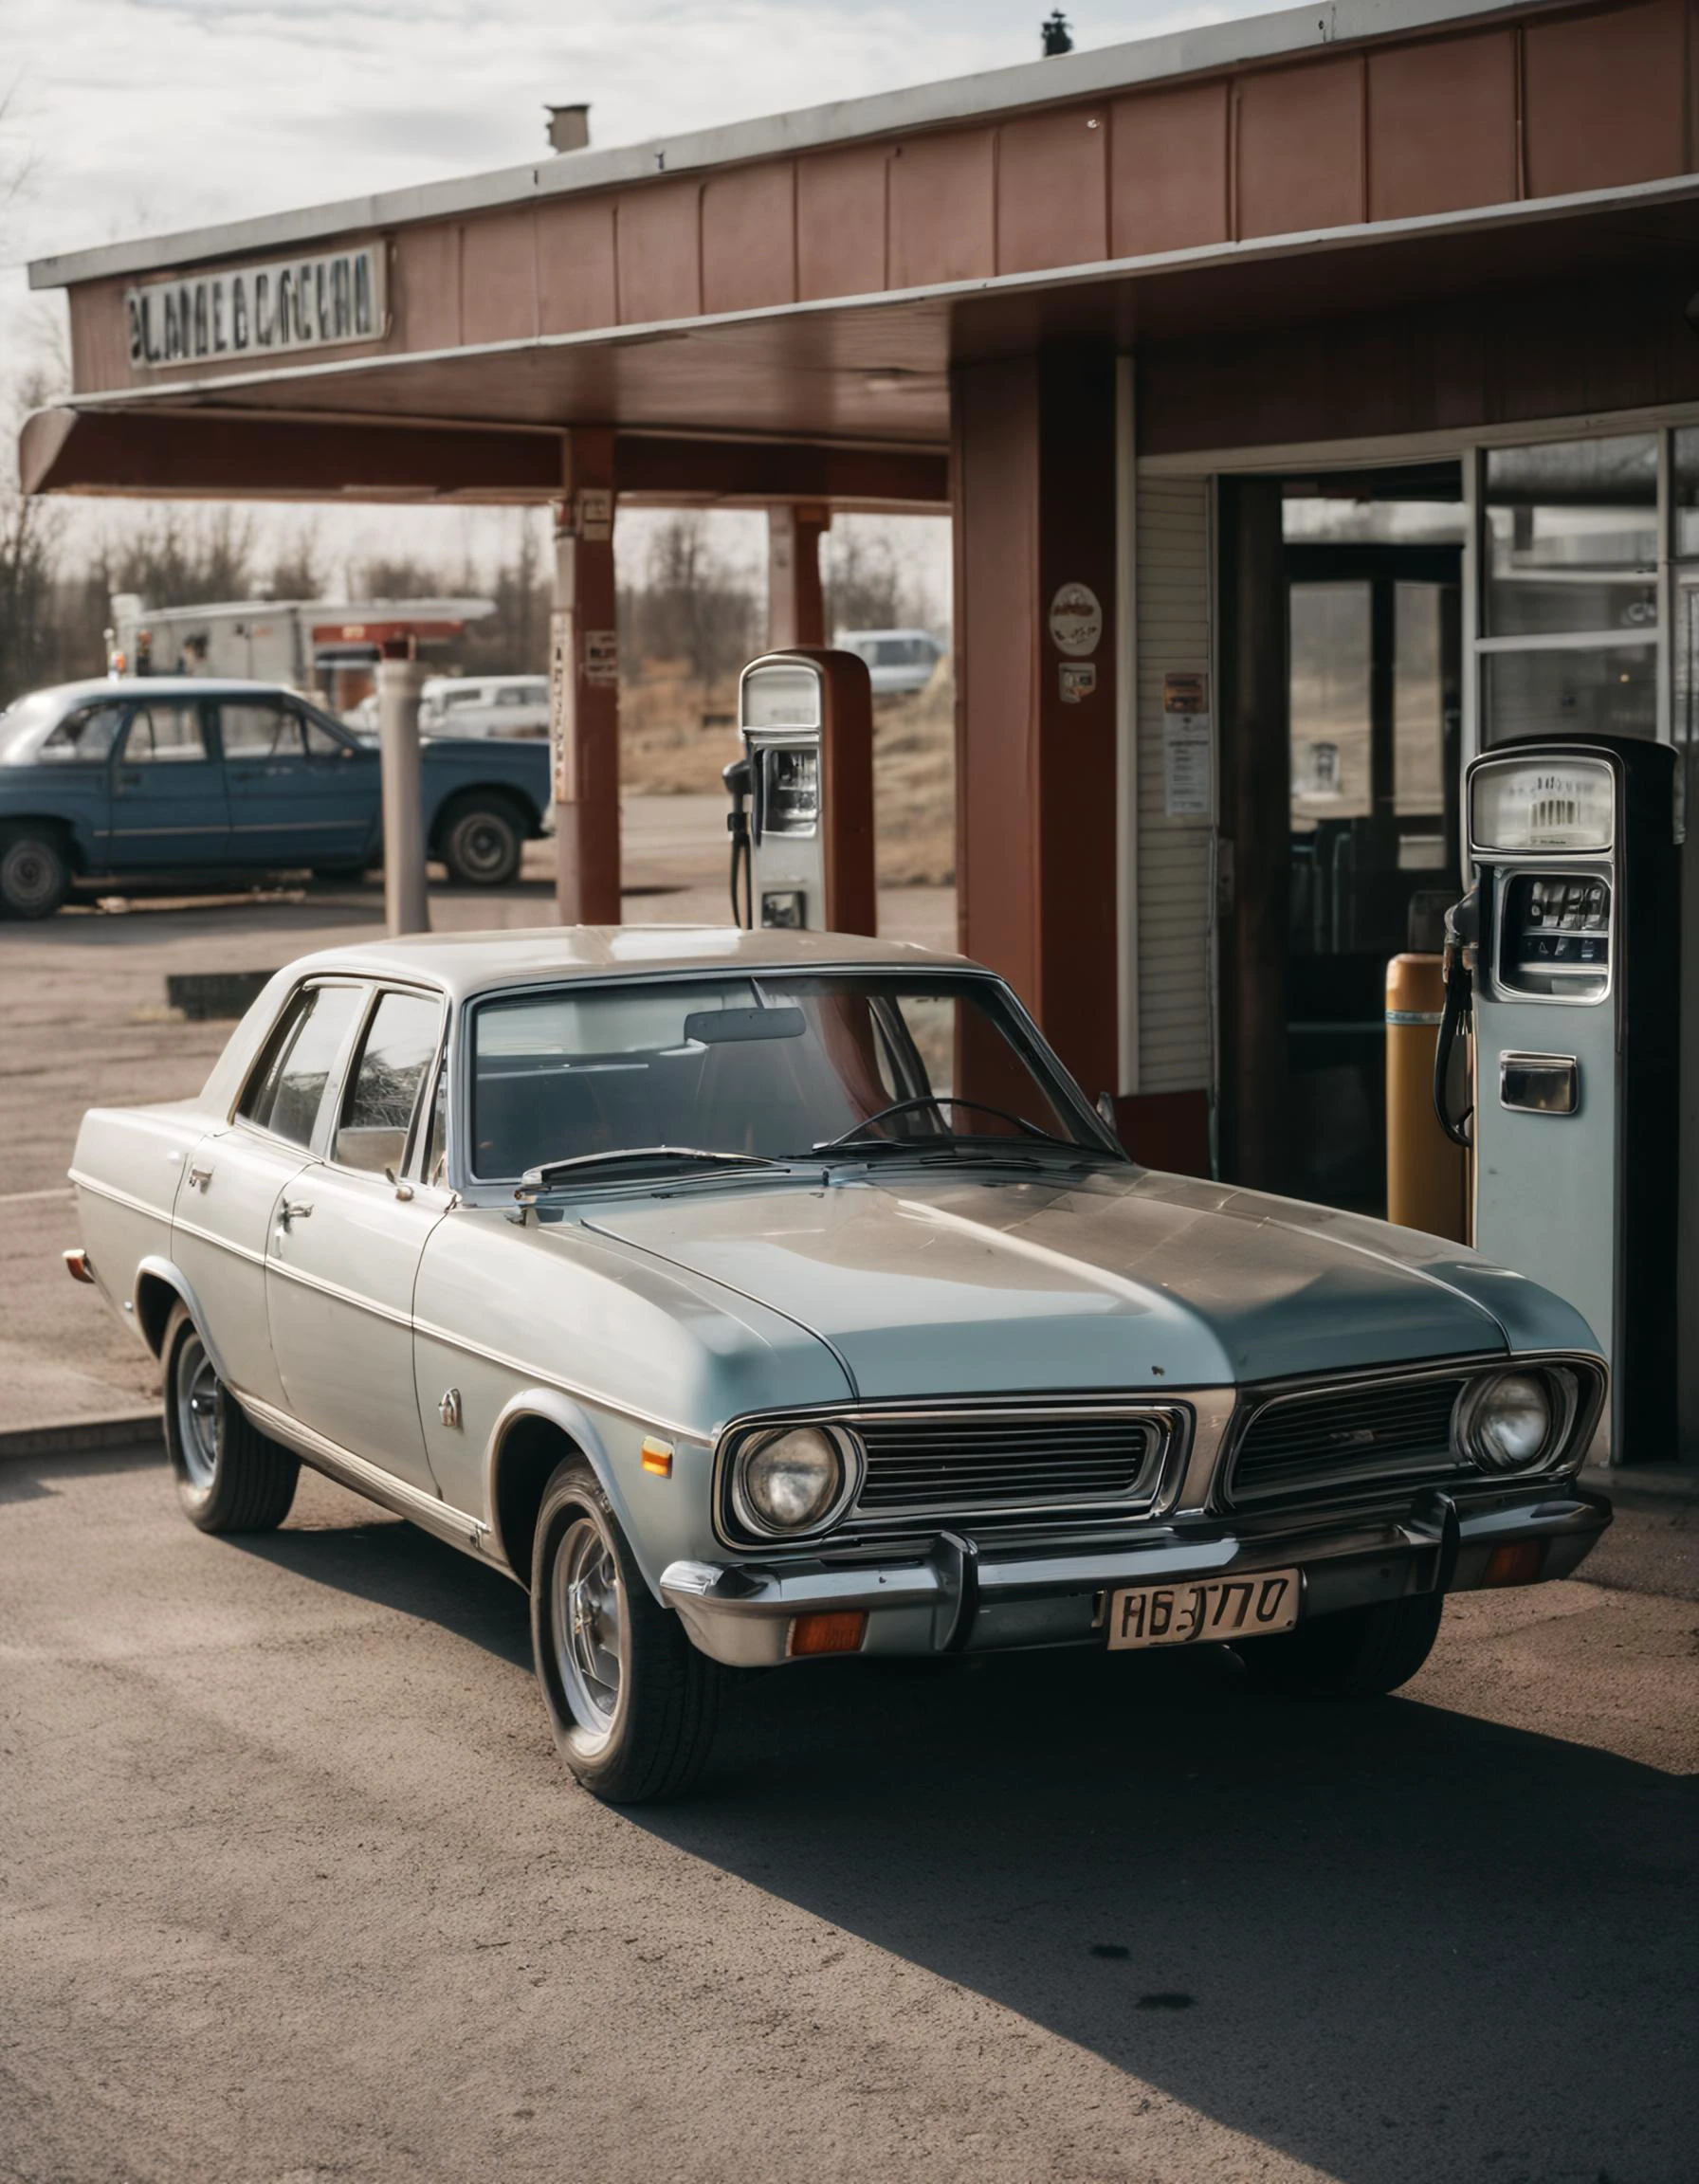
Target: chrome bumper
x,y
952,1596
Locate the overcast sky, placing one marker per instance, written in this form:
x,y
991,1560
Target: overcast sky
x,y
138,117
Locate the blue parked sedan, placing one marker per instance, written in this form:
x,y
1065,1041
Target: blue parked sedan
x,y
185,776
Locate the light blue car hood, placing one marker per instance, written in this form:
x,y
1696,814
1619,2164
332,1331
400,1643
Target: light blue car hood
x,y
944,1284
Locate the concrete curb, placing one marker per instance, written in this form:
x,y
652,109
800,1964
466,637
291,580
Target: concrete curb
x,y
1644,1482
143,1431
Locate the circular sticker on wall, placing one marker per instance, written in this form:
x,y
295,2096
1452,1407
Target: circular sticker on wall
x,y
1076,619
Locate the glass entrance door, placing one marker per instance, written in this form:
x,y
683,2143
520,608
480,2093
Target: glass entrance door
x,y
1373,720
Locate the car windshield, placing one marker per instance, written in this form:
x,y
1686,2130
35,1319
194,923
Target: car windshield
x,y
774,1066
22,719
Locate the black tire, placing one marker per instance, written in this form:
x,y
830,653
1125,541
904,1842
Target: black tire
x,y
482,841
1362,1653
230,1476
654,1738
35,871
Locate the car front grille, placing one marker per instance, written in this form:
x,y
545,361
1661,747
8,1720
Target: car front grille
x,y
967,1464
1297,1447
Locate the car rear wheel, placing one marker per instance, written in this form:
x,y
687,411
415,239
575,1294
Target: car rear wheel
x,y
634,1705
481,843
1362,1653
35,872
230,1476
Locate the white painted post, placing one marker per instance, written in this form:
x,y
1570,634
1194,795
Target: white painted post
x,y
405,904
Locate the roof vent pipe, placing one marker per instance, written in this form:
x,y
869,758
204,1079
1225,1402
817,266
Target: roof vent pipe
x,y
568,128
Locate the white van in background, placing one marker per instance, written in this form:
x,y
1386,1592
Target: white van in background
x,y
899,661
485,705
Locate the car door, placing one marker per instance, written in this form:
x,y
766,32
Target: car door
x,y
339,1282
168,797
297,793
227,1200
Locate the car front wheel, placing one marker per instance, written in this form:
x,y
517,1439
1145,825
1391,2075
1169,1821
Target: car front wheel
x,y
35,872
1361,1653
483,842
632,1703
231,1478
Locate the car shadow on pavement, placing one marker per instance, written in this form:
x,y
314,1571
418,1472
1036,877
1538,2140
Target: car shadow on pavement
x,y
394,1564
1396,1942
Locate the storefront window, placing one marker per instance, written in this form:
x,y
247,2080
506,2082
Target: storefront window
x,y
1572,692
1571,538
1329,702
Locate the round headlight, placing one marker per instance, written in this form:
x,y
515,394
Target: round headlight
x,y
1510,1421
788,1481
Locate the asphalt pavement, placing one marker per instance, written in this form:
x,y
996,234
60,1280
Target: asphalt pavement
x,y
293,1888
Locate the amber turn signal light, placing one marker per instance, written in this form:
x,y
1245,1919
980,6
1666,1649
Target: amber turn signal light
x,y
840,1631
1517,1563
657,1458
77,1265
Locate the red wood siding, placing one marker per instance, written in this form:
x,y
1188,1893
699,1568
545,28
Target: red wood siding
x,y
497,276
1052,205
841,223
658,233
575,283
1442,126
1168,170
1605,97
942,213
749,238
1299,161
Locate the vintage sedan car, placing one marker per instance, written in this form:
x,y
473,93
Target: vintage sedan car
x,y
185,774
756,1296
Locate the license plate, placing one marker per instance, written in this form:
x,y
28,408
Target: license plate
x,y
1225,1608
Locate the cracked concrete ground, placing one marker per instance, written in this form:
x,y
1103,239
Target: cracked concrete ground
x,y
293,1888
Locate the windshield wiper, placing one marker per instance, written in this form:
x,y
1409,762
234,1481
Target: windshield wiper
x,y
953,1145
553,1172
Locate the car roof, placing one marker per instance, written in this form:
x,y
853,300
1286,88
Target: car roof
x,y
122,688
468,963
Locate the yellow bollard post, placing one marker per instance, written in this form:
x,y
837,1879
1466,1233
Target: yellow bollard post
x,y
1427,1176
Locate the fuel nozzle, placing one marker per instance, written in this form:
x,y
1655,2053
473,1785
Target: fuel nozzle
x,y
739,782
1463,933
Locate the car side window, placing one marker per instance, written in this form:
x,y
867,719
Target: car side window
x,y
383,1091
255,728
286,1090
165,731
319,741
84,738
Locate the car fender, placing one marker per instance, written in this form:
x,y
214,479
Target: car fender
x,y
174,1276
69,822
559,1410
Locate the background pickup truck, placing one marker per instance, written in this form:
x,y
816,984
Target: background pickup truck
x,y
182,775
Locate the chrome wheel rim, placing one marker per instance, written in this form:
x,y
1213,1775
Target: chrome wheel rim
x,y
485,847
200,1429
587,1605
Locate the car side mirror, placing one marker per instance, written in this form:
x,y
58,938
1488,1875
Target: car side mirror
x,y
1104,1104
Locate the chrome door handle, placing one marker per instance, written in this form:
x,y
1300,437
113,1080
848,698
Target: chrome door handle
x,y
288,1212
200,1177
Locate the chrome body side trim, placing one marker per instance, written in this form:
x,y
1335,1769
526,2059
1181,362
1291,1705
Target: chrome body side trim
x,y
376,1484
599,1400
86,1182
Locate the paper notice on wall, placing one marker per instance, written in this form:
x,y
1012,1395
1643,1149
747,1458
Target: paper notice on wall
x,y
1186,766
562,741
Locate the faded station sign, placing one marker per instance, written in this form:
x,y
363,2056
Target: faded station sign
x,y
288,304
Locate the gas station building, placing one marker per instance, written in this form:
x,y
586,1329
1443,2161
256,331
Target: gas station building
x,y
1315,398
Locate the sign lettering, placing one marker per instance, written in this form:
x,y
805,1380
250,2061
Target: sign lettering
x,y
258,310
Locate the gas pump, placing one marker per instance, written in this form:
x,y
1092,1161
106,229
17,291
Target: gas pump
x,y
801,821
1564,964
